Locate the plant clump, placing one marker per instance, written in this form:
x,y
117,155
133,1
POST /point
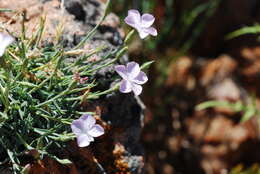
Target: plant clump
x,y
43,92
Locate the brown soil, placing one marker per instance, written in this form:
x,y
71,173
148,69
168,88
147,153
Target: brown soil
x,y
180,139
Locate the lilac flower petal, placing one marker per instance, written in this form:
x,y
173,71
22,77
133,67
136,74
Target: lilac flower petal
x,y
125,86
83,140
133,19
96,131
151,30
77,126
5,41
142,34
88,120
121,70
133,70
147,20
134,13
141,78
137,89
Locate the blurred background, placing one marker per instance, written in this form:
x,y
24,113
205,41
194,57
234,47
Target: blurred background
x,y
205,50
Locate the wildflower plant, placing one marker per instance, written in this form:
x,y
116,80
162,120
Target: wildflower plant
x,y
42,95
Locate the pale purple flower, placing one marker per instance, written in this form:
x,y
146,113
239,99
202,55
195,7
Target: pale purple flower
x,y
132,76
85,128
5,41
141,23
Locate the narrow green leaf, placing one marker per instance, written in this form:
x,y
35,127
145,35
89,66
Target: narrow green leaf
x,y
247,115
62,161
245,30
213,103
147,64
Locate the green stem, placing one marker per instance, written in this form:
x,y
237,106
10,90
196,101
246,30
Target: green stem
x,y
84,57
129,36
81,89
65,121
40,85
54,98
94,96
58,96
119,54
